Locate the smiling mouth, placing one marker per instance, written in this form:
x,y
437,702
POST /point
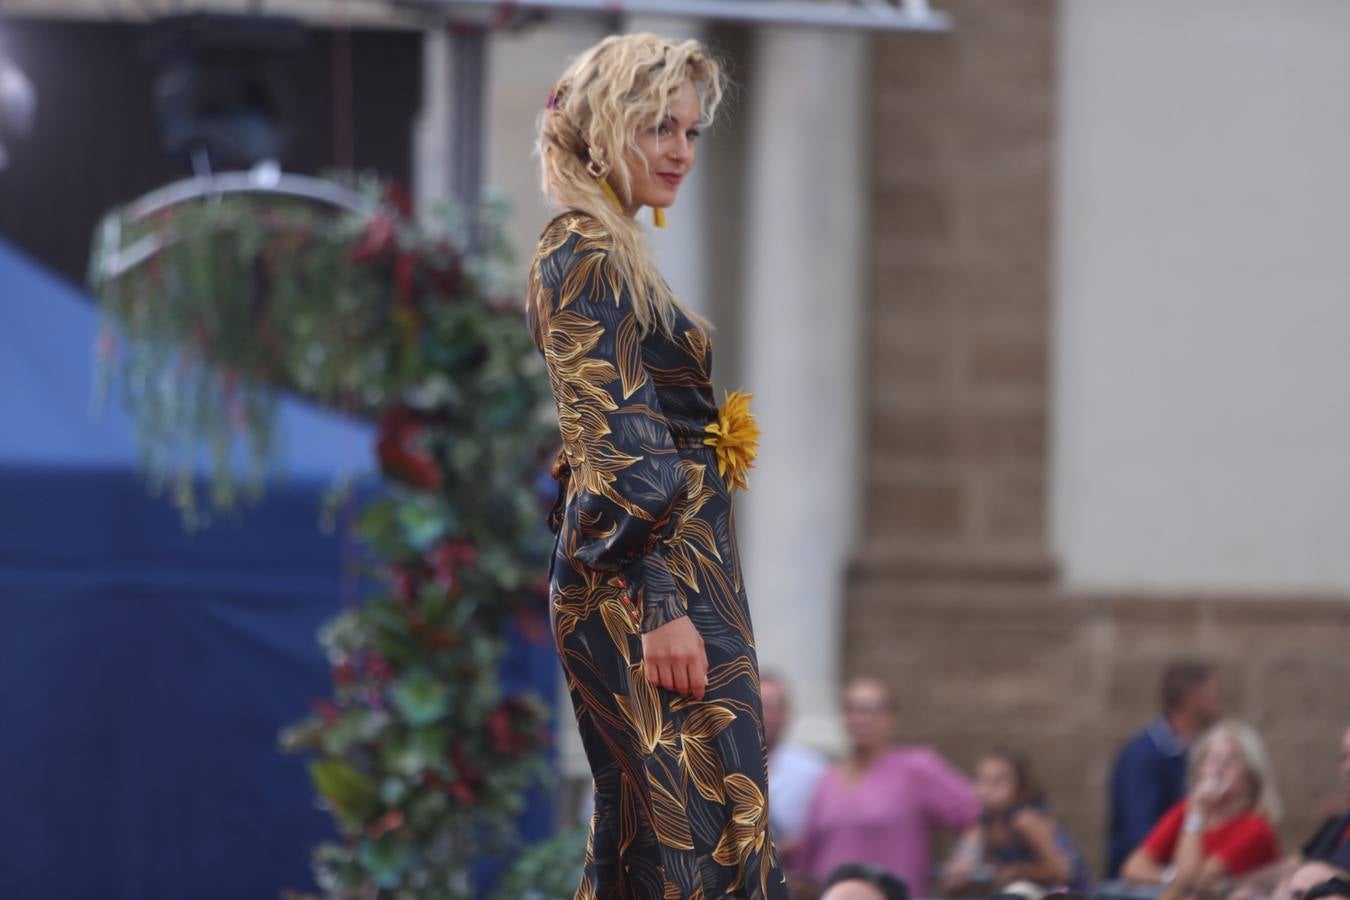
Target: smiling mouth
x,y
671,178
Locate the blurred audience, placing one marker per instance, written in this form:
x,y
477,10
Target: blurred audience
x,y
881,805
1223,828
856,881
1337,888
1149,777
1329,844
794,770
1016,838
1306,877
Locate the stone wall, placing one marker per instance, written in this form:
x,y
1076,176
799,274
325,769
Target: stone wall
x,y
953,595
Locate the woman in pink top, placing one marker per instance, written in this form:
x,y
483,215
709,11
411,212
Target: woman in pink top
x,y
882,804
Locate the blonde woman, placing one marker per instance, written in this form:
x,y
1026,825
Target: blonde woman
x,y
1224,827
649,612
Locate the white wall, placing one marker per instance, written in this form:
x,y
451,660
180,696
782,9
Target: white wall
x,y
1202,408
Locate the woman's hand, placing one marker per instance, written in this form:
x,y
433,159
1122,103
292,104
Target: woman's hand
x,y
676,659
1207,795
957,876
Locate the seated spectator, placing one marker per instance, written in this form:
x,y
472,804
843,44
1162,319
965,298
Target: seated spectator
x,y
1330,843
1337,888
1016,839
1223,828
1149,776
856,881
794,770
1307,877
882,804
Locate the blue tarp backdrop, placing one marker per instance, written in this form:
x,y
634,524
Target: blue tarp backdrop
x,y
144,670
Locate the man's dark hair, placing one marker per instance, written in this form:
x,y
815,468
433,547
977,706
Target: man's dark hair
x,y
891,886
1332,887
1180,678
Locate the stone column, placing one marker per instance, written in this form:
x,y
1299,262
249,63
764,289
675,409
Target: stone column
x,y
804,289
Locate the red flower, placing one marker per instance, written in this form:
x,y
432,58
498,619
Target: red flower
x,y
405,584
505,727
328,711
344,674
386,823
467,779
376,241
446,559
405,282
463,791
446,277
379,667
399,427
397,196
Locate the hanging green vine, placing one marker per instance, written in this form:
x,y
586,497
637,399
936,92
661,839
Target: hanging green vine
x,y
420,758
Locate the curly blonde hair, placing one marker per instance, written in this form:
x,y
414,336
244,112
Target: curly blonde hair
x,y
605,98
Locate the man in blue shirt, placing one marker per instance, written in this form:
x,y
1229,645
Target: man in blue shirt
x,y
1150,773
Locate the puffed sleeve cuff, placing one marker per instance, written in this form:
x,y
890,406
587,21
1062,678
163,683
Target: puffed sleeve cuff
x,y
654,590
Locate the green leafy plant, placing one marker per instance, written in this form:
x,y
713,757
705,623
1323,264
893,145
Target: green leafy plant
x,y
549,870
418,755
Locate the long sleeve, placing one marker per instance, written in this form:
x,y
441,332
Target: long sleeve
x,y
949,799
628,478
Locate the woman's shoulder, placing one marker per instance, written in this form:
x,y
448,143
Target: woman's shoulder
x,y
573,227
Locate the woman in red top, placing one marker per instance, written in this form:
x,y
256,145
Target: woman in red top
x,y
1223,827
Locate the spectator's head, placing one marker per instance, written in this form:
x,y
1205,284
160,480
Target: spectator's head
x,y
1232,755
1003,779
1190,695
1311,875
856,881
773,693
869,714
1345,763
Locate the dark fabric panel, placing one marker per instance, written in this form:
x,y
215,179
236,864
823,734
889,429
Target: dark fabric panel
x,y
95,142
144,674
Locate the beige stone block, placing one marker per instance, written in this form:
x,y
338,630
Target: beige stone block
x,y
932,509
1005,217
1008,358
915,63
918,211
1013,504
946,434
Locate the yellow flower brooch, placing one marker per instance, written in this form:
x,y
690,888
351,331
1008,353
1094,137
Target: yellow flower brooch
x,y
735,437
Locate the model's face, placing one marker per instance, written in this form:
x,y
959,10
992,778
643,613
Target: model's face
x,y
1223,765
665,153
1345,763
774,697
995,783
867,714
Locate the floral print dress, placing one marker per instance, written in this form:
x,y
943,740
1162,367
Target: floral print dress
x,y
645,535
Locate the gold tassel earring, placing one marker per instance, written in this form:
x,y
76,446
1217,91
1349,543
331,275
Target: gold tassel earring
x,y
658,217
610,192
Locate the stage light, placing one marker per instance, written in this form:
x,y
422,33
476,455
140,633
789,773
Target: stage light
x,y
221,99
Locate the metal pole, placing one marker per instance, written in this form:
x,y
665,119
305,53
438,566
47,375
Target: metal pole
x,y
468,88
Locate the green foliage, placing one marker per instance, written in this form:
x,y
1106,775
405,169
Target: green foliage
x,y
420,759
550,870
